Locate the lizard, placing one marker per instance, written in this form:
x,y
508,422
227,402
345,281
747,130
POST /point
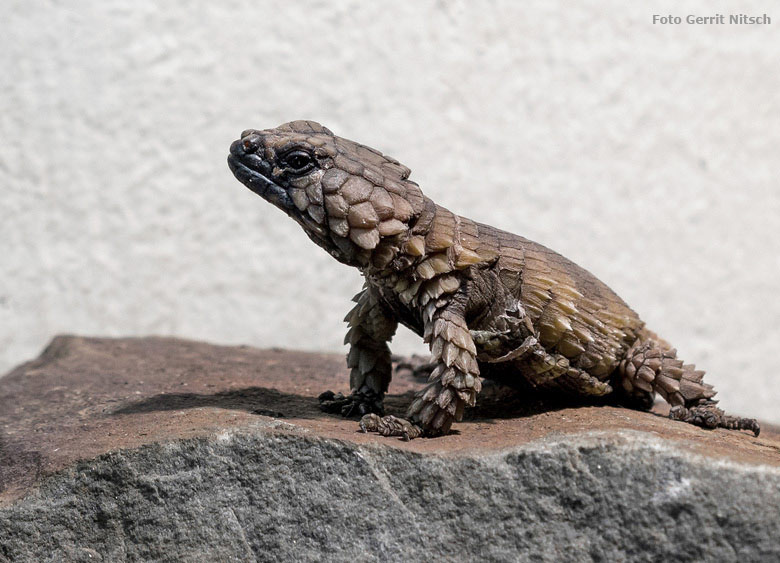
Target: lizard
x,y
489,303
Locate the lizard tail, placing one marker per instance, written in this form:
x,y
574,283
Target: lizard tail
x,y
651,365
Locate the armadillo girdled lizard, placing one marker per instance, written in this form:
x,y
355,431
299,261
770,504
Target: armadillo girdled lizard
x,y
489,303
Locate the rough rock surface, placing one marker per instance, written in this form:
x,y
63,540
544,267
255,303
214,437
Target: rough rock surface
x,y
168,450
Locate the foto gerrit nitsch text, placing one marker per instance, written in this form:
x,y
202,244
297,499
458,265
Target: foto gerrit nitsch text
x,y
717,19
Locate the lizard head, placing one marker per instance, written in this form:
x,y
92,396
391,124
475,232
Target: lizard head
x,y
350,199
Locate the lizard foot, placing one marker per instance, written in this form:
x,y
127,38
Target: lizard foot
x,y
390,426
355,404
414,366
707,415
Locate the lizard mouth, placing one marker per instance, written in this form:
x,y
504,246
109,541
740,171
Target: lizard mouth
x,y
252,171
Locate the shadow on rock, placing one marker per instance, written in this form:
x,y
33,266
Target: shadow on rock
x,y
256,400
495,402
499,402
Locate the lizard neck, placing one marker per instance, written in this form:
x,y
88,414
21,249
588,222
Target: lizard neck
x,y
431,260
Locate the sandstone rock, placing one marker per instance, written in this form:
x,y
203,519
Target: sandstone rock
x,y
168,450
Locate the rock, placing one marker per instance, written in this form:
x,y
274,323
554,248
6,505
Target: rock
x,y
168,450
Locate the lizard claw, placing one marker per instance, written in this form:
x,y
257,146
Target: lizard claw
x,y
707,415
390,426
355,404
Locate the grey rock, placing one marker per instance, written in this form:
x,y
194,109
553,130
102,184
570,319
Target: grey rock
x,y
289,489
263,496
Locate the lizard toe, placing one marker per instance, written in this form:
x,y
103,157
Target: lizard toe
x,y
355,404
390,426
707,415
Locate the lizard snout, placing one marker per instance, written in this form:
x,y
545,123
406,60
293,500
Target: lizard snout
x,y
250,143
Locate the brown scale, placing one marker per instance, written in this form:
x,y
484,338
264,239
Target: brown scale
x,y
426,266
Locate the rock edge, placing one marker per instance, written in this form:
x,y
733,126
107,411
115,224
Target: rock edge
x,y
106,457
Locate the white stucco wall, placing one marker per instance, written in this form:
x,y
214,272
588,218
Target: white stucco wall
x,y
648,154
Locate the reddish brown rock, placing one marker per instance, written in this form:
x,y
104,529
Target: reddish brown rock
x,y
93,398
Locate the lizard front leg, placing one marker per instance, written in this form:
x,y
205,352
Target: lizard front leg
x,y
453,384
368,358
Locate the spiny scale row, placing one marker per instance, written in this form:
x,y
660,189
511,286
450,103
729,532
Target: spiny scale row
x,y
455,382
367,355
651,367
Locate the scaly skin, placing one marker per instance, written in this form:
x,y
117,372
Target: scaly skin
x,y
489,303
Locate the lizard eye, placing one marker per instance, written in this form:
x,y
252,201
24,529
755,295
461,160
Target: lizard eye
x,y
298,161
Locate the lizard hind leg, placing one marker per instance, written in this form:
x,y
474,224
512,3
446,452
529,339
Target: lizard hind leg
x,y
651,366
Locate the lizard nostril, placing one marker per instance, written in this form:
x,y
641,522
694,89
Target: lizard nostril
x,y
251,143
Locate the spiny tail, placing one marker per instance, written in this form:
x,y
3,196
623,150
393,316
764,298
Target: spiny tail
x,y
651,365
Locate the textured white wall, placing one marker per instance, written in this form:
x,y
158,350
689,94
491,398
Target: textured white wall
x,y
648,154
